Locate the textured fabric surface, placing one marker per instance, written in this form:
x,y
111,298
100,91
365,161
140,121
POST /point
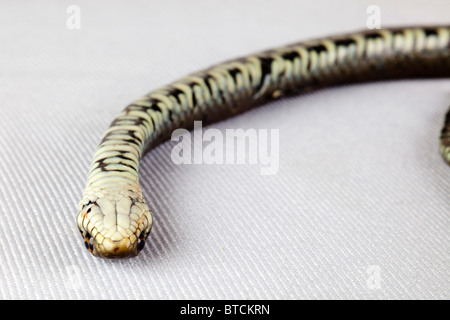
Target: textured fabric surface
x,y
358,208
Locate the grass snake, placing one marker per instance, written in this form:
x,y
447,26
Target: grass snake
x,y
114,219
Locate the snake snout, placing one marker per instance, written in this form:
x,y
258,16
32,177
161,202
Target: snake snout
x,y
112,249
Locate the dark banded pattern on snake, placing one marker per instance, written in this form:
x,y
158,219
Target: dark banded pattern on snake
x,y
113,217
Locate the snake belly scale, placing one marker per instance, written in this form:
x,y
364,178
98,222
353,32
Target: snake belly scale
x,y
114,219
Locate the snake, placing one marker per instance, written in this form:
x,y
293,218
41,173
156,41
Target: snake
x,y
113,217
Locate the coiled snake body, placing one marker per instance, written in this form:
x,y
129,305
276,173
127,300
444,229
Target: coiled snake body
x,y
113,217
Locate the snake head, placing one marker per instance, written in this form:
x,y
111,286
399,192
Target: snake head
x,y
114,223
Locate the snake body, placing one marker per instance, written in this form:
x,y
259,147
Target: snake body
x,y
114,219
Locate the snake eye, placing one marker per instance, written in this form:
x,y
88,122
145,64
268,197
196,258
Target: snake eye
x,y
88,242
141,242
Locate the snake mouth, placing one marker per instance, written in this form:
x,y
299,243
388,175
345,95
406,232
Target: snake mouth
x,y
115,249
109,248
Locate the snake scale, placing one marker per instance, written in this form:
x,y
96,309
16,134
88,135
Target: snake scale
x,y
114,219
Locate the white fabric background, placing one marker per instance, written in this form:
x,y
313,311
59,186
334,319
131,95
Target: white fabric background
x,y
360,183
